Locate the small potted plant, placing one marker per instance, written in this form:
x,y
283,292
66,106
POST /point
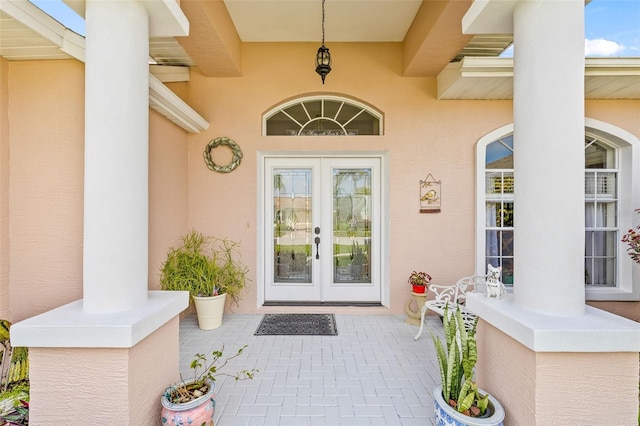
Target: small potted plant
x,y
632,238
419,281
208,269
459,401
193,401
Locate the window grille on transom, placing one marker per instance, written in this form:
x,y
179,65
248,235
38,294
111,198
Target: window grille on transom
x,y
322,116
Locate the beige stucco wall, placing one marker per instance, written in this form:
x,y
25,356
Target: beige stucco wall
x,y
43,229
624,114
4,189
46,107
168,195
137,377
422,136
557,388
42,179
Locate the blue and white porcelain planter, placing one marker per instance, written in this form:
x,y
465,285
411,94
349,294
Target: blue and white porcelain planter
x,y
447,416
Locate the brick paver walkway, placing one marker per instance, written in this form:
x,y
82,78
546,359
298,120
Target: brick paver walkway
x,y
371,373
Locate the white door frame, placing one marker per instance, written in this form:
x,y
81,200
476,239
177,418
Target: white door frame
x,y
384,214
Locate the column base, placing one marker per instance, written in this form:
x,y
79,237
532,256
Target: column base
x,y
102,369
557,388
521,354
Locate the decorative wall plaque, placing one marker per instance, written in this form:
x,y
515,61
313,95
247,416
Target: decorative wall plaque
x,y
430,197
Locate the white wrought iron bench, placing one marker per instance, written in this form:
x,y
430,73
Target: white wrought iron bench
x,y
454,295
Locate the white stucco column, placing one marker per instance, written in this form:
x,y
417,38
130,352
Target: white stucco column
x,y
548,98
116,156
118,310
544,327
548,108
120,336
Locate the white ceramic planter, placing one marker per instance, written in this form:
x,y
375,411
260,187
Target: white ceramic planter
x,y
210,311
447,416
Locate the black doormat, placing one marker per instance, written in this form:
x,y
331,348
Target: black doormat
x,y
297,324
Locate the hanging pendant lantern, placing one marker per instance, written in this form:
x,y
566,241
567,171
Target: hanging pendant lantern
x,y
323,62
323,57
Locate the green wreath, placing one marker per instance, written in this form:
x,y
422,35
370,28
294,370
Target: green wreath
x,y
235,162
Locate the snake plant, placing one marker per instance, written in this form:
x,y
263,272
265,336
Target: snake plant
x,y
457,360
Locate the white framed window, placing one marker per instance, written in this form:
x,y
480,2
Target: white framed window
x,y
322,115
612,192
498,196
601,213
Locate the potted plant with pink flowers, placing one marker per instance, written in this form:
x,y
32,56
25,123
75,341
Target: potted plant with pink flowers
x,y
419,281
632,238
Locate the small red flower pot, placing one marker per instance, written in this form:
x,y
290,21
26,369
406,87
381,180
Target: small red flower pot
x,y
419,288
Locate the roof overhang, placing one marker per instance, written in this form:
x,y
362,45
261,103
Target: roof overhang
x,y
48,39
214,46
492,78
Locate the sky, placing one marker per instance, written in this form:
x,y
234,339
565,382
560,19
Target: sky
x,y
612,27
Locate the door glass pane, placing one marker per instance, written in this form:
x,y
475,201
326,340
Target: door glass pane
x,y
352,225
292,225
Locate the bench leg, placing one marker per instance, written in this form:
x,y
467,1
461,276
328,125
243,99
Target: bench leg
x,y
423,311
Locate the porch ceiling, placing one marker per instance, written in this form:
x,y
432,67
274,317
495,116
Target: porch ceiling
x,y
429,30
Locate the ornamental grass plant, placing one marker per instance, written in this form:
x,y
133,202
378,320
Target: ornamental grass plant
x,y
205,266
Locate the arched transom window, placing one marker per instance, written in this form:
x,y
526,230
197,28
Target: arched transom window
x,y
322,116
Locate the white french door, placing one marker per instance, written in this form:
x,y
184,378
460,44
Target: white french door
x,y
322,229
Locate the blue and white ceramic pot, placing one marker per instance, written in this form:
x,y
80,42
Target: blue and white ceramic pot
x,y
447,416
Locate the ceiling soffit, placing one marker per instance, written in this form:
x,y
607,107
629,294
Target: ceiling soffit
x,y
431,30
435,37
213,43
301,20
27,33
492,78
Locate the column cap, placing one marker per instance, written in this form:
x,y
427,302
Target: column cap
x,y
594,331
166,19
70,327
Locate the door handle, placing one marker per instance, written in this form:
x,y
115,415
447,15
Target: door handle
x,y
317,241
